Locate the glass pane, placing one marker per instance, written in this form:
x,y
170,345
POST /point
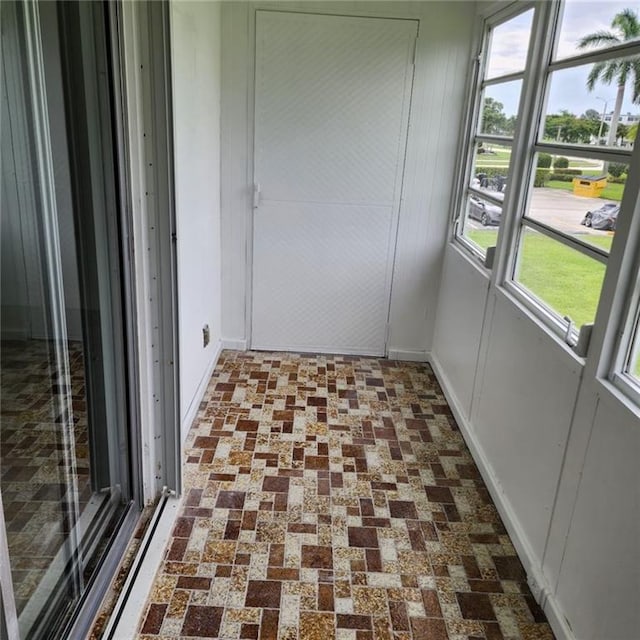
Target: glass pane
x,y
580,197
509,45
583,106
500,108
42,455
563,279
490,167
63,453
582,20
481,219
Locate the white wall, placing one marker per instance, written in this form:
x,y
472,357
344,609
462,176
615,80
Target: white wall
x,y
23,313
441,60
196,77
557,447
61,169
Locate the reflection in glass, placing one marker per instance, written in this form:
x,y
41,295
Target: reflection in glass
x,y
500,108
509,45
581,111
565,280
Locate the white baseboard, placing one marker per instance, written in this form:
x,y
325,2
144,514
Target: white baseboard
x,y
407,356
192,411
234,345
532,564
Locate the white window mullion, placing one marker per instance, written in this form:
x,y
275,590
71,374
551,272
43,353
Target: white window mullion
x,y
531,105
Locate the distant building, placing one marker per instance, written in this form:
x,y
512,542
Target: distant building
x,y
625,118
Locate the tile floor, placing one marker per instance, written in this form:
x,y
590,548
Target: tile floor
x,y
35,465
333,497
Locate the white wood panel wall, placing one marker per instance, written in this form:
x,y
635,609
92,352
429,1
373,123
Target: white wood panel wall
x,y
558,452
196,61
442,58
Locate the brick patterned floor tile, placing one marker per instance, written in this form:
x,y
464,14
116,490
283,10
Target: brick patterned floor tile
x,y
333,497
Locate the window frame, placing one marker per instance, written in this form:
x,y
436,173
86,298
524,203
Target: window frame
x,y
526,144
472,135
617,319
535,95
627,334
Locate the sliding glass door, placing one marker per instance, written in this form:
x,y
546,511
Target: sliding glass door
x,y
66,463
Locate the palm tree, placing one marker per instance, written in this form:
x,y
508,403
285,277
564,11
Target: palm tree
x,y
626,26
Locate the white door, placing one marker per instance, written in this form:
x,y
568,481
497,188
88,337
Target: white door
x,y
331,110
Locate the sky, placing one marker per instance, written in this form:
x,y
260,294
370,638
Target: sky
x,y
568,87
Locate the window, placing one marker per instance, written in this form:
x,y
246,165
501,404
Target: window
x,y
566,162
577,166
496,103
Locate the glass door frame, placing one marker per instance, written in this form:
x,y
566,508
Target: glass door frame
x,y
25,17
90,600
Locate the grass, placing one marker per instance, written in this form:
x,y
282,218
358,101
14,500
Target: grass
x,y
500,158
581,163
566,280
612,191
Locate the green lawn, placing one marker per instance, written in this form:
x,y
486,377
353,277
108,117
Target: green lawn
x,y
566,280
612,191
581,163
500,157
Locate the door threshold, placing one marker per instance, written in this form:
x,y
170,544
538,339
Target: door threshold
x,y
129,606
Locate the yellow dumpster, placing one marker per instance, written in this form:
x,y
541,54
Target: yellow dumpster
x,y
589,186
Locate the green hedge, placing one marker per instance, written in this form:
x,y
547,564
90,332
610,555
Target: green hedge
x,y
544,160
567,172
541,178
492,171
561,177
616,169
561,163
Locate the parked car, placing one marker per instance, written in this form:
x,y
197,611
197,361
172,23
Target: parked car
x,y
487,212
604,218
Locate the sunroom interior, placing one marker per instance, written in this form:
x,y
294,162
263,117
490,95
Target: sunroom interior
x,y
451,183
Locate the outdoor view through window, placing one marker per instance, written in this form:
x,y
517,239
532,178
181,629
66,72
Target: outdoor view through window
x,y
584,111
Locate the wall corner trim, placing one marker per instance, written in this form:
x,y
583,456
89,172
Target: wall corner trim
x,y
532,565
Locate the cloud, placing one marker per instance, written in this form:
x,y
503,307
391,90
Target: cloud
x,y
582,17
568,87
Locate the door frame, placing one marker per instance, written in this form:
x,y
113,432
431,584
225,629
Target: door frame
x,y
254,9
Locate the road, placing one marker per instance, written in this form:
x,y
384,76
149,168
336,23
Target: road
x,y
561,210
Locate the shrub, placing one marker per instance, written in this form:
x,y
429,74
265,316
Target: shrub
x,y
568,172
544,160
561,177
561,163
541,177
490,172
619,180
616,169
